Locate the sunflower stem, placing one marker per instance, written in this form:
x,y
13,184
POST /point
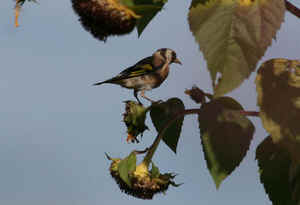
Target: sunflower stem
x,y
148,157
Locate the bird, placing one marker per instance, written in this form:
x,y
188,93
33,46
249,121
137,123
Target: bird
x,y
146,74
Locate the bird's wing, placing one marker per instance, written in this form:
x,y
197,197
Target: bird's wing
x,y
143,67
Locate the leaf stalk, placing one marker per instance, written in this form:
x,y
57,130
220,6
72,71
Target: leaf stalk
x,y
153,147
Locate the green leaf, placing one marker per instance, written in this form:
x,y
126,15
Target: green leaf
x,y
196,2
126,166
148,14
127,3
225,136
161,114
295,181
279,174
154,171
233,36
147,9
290,145
278,96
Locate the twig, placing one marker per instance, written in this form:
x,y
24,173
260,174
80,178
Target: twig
x,y
292,8
250,113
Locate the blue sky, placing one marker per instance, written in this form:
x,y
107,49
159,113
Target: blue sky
x,y
55,126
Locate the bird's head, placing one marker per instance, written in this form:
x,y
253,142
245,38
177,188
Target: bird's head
x,y
165,54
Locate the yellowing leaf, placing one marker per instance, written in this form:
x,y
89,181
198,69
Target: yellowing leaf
x,y
279,174
225,136
233,35
278,89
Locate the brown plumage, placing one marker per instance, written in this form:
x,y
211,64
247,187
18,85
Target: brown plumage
x,y
146,74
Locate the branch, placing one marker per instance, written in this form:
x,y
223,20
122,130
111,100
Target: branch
x,y
249,113
293,9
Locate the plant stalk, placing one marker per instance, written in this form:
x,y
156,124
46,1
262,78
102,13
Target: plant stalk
x,y
153,147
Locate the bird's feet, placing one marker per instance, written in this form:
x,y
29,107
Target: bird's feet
x,y
156,102
150,100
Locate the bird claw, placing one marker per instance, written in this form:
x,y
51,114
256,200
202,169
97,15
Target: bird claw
x,y
156,102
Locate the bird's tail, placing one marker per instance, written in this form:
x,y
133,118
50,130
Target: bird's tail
x,y
100,83
106,81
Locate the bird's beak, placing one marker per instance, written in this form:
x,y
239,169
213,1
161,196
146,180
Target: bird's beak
x,y
177,61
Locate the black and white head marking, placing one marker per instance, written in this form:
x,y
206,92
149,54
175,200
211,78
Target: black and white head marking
x,y
167,53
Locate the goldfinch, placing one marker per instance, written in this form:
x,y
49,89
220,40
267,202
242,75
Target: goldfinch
x,y
146,74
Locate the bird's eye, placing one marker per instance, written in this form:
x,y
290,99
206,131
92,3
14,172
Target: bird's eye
x,y
171,55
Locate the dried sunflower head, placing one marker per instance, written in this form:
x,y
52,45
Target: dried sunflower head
x,y
134,118
139,181
103,18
